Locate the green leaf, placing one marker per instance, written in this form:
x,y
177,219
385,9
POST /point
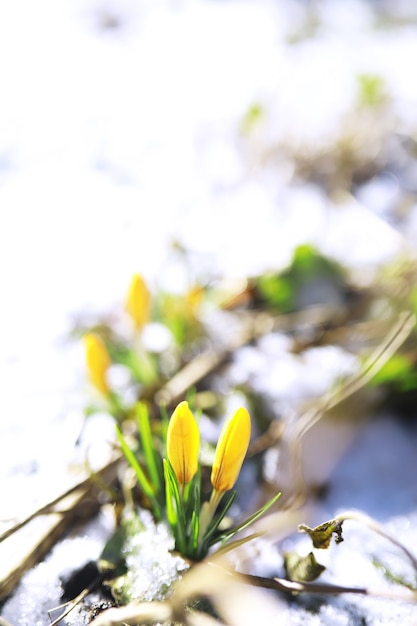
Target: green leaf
x,y
302,569
145,434
391,576
277,290
164,421
321,535
397,371
250,520
113,555
217,520
143,481
191,496
252,118
232,545
172,490
372,90
170,509
282,291
193,538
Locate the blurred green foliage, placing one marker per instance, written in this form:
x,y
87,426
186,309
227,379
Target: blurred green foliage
x,y
399,372
372,90
284,291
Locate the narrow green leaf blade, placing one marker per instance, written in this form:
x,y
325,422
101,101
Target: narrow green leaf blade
x,y
250,520
170,509
145,433
143,481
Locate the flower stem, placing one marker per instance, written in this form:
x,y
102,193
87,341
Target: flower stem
x,y
208,510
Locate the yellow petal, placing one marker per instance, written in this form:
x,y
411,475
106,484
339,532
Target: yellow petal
x,y
183,441
98,361
231,450
138,301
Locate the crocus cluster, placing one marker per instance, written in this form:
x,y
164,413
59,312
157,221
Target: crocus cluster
x,y
183,441
172,485
97,358
195,524
176,313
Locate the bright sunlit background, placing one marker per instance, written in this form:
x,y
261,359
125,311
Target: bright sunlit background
x,y
127,126
119,132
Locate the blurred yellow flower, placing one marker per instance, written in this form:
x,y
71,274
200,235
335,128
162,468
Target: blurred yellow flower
x,y
138,301
230,451
98,362
183,441
193,299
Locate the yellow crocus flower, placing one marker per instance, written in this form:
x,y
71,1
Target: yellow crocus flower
x,y
183,441
98,362
230,451
138,301
193,300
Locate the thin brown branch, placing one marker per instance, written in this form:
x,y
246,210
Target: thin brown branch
x,y
252,326
30,539
281,584
49,506
397,335
70,606
373,525
379,357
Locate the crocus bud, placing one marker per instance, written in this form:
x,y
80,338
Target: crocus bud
x,y
98,362
230,451
183,441
138,301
